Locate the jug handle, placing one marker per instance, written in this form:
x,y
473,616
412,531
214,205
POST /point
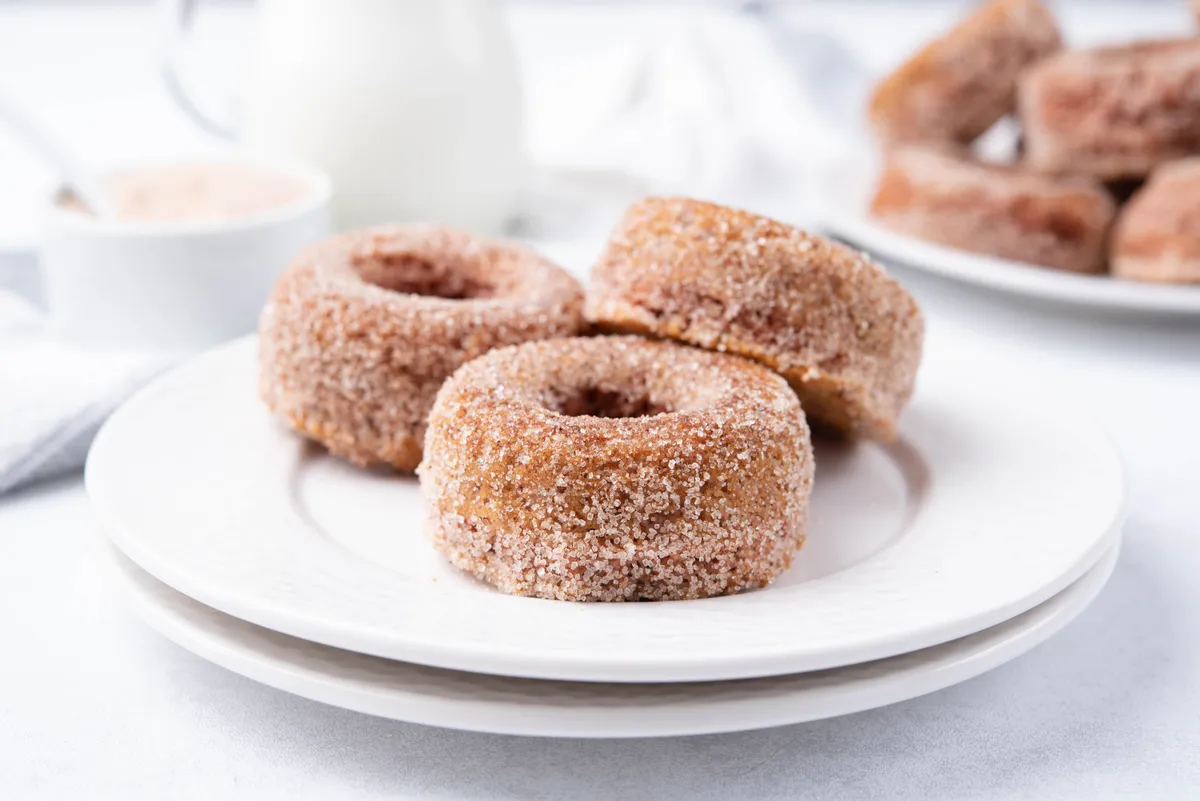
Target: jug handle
x,y
177,16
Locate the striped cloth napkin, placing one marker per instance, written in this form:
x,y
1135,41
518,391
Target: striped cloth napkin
x,y
53,395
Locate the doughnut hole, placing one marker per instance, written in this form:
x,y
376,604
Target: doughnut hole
x,y
600,402
397,268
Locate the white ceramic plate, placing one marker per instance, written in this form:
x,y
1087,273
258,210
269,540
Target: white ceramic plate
x,y
842,195
586,709
991,503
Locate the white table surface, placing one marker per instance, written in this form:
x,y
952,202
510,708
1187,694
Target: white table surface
x,y
95,706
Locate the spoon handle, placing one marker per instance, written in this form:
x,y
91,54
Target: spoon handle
x,y
40,139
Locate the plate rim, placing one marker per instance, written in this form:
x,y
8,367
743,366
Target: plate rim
x,y
834,213
510,662
774,703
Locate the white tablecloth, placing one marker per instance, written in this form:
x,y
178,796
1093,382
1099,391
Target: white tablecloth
x,y
94,705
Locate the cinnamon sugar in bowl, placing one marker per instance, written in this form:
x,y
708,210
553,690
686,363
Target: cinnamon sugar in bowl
x,y
188,257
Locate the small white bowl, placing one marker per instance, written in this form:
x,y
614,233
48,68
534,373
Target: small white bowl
x,y
173,287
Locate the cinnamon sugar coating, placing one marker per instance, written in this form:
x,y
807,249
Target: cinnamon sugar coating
x,y
960,84
1059,222
616,469
362,329
1113,112
845,335
1157,237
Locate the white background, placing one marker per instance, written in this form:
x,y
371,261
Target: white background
x,y
95,706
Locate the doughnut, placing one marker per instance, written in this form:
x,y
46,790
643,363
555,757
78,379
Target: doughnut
x,y
845,335
959,85
617,469
1113,112
998,210
1157,236
361,330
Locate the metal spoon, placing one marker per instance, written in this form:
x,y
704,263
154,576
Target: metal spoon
x,y
81,181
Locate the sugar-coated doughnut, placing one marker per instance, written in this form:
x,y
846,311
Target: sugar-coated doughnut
x,y
617,469
362,329
845,335
1157,236
959,85
1113,112
1005,211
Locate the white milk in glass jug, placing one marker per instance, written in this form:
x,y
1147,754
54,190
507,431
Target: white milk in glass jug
x,y
412,106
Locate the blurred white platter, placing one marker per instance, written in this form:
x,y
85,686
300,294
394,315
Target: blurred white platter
x,y
993,501
453,699
841,199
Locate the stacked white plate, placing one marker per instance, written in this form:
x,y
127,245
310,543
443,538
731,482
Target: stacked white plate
x,y
992,523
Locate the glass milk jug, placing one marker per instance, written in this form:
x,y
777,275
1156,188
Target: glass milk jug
x,y
413,107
